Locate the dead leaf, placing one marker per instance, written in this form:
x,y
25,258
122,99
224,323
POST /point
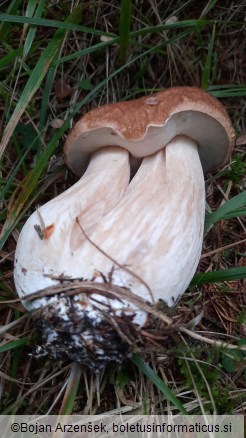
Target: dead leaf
x,y
62,89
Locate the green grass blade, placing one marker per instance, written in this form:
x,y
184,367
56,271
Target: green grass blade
x,y
10,57
14,369
12,9
219,276
161,27
31,6
46,95
207,67
237,213
66,25
70,26
221,91
13,344
124,28
33,84
86,51
208,7
228,208
147,370
32,32
12,176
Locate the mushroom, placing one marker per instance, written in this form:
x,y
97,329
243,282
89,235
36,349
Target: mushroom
x,y
143,236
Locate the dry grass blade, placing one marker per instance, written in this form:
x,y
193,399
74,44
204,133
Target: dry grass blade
x,y
71,389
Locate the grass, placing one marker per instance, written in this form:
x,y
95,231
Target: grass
x,y
107,51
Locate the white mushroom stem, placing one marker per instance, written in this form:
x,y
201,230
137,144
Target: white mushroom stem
x,y
50,237
156,230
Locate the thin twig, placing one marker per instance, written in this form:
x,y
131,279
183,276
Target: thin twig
x,y
213,342
76,287
216,251
133,274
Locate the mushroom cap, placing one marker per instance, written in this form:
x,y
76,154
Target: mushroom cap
x,y
144,126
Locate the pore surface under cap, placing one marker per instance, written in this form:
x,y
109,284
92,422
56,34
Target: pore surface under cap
x,y
144,126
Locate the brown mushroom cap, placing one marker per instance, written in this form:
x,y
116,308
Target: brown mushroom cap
x,y
144,126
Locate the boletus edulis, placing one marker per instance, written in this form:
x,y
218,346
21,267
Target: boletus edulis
x,y
124,236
